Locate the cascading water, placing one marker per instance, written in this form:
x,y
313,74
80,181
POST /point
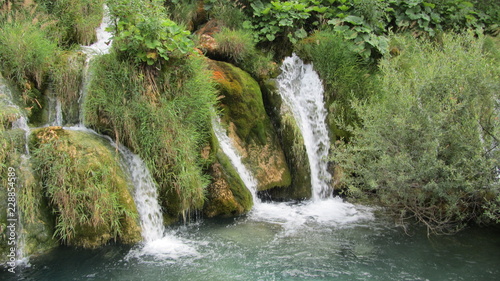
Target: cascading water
x,y
157,242
100,47
292,216
20,123
145,196
235,158
55,112
301,89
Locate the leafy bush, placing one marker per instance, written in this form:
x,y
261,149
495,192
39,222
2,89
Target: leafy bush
x,y
364,22
428,146
144,33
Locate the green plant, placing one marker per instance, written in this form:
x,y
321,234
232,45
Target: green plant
x,y
27,55
76,20
237,45
84,184
428,145
227,12
144,33
162,115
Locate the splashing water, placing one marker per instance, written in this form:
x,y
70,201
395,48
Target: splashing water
x,y
291,216
301,89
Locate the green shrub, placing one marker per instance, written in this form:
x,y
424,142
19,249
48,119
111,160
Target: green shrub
x,y
76,20
144,33
228,13
26,57
237,45
428,146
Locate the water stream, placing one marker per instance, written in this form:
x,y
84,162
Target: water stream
x,y
301,89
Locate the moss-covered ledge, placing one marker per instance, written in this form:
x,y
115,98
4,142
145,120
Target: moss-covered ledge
x,y
249,125
86,188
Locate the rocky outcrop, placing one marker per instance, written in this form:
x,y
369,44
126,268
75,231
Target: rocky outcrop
x,y
86,188
249,126
226,195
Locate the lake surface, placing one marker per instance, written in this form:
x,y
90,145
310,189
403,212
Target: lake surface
x,y
279,241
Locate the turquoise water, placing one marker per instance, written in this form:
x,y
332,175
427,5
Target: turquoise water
x,y
299,247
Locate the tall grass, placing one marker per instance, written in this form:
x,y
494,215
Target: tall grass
x,y
75,20
84,183
164,116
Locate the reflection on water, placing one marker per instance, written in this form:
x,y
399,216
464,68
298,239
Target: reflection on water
x,y
256,248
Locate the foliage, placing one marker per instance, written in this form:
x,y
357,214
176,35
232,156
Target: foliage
x,y
144,33
184,12
164,116
26,56
364,22
76,20
238,47
227,12
428,146
83,182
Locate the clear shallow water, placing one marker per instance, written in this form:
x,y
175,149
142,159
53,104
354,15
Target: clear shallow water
x,y
305,245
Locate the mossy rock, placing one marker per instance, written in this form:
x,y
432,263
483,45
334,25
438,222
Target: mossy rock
x,y
227,195
249,125
87,190
294,149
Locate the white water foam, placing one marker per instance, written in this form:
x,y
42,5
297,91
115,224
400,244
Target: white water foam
x,y
301,89
291,216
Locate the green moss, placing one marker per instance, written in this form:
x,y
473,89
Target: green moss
x,y
227,195
242,102
85,186
243,110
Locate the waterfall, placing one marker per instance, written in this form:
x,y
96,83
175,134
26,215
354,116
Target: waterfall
x,y
55,112
301,89
235,158
20,123
100,47
145,196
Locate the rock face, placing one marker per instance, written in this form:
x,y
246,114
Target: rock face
x,y
227,195
249,126
86,188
